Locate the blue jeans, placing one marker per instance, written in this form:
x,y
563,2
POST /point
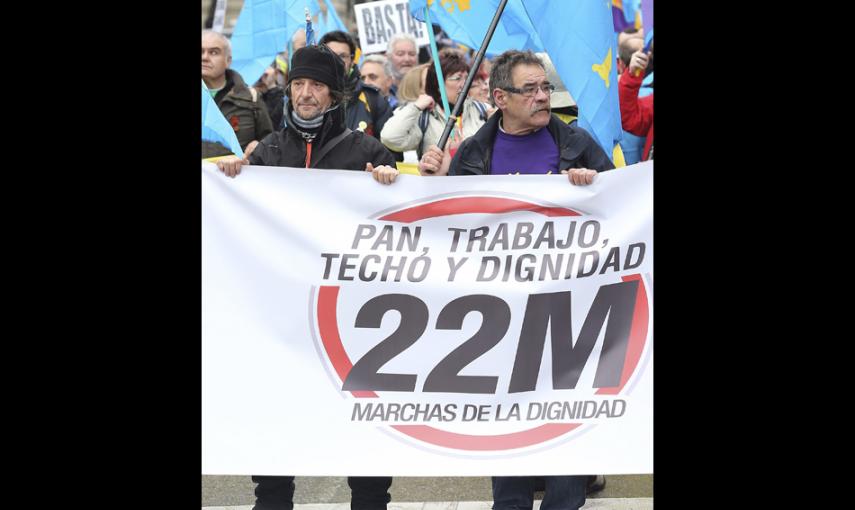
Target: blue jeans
x,y
517,492
277,492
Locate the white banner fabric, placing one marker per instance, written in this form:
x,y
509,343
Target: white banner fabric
x,y
377,22
456,326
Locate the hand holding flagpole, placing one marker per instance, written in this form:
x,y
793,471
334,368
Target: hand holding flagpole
x,y
646,52
638,62
476,64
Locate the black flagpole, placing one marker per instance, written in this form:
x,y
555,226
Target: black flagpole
x,y
449,123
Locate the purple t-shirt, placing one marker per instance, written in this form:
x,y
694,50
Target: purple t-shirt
x,y
534,153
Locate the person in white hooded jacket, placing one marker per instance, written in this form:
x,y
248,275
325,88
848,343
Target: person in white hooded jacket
x,y
419,124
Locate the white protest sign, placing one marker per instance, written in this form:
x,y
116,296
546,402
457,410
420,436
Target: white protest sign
x,y
378,22
444,326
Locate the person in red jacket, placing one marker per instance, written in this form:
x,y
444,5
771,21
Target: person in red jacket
x,y
636,113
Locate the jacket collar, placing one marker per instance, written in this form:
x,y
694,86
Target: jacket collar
x,y
238,88
486,136
333,124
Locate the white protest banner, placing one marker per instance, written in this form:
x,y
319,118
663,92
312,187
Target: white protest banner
x,y
446,326
378,22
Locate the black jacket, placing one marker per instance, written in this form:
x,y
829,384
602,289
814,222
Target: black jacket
x,y
576,147
274,101
369,112
287,147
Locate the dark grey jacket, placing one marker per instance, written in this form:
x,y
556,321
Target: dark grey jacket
x,y
287,147
577,149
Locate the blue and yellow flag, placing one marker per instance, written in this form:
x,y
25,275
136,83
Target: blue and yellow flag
x,y
466,22
626,13
647,15
264,28
579,37
215,127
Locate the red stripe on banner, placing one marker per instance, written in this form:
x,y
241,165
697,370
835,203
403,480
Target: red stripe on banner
x,y
465,205
510,441
637,336
328,326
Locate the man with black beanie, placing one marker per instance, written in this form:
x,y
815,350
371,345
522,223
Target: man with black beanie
x,y
315,137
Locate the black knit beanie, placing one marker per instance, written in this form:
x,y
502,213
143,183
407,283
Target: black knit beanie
x,y
318,63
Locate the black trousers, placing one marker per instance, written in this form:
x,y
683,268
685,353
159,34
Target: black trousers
x,y
366,492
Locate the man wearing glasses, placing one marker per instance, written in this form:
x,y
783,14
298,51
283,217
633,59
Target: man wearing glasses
x,y
403,53
367,109
523,137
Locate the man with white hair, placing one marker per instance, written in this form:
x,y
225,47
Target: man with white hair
x,y
241,105
376,70
403,52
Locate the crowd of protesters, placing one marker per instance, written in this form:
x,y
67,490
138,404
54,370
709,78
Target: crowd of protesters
x,y
396,99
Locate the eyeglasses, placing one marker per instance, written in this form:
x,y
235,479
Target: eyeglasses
x,y
456,77
531,90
